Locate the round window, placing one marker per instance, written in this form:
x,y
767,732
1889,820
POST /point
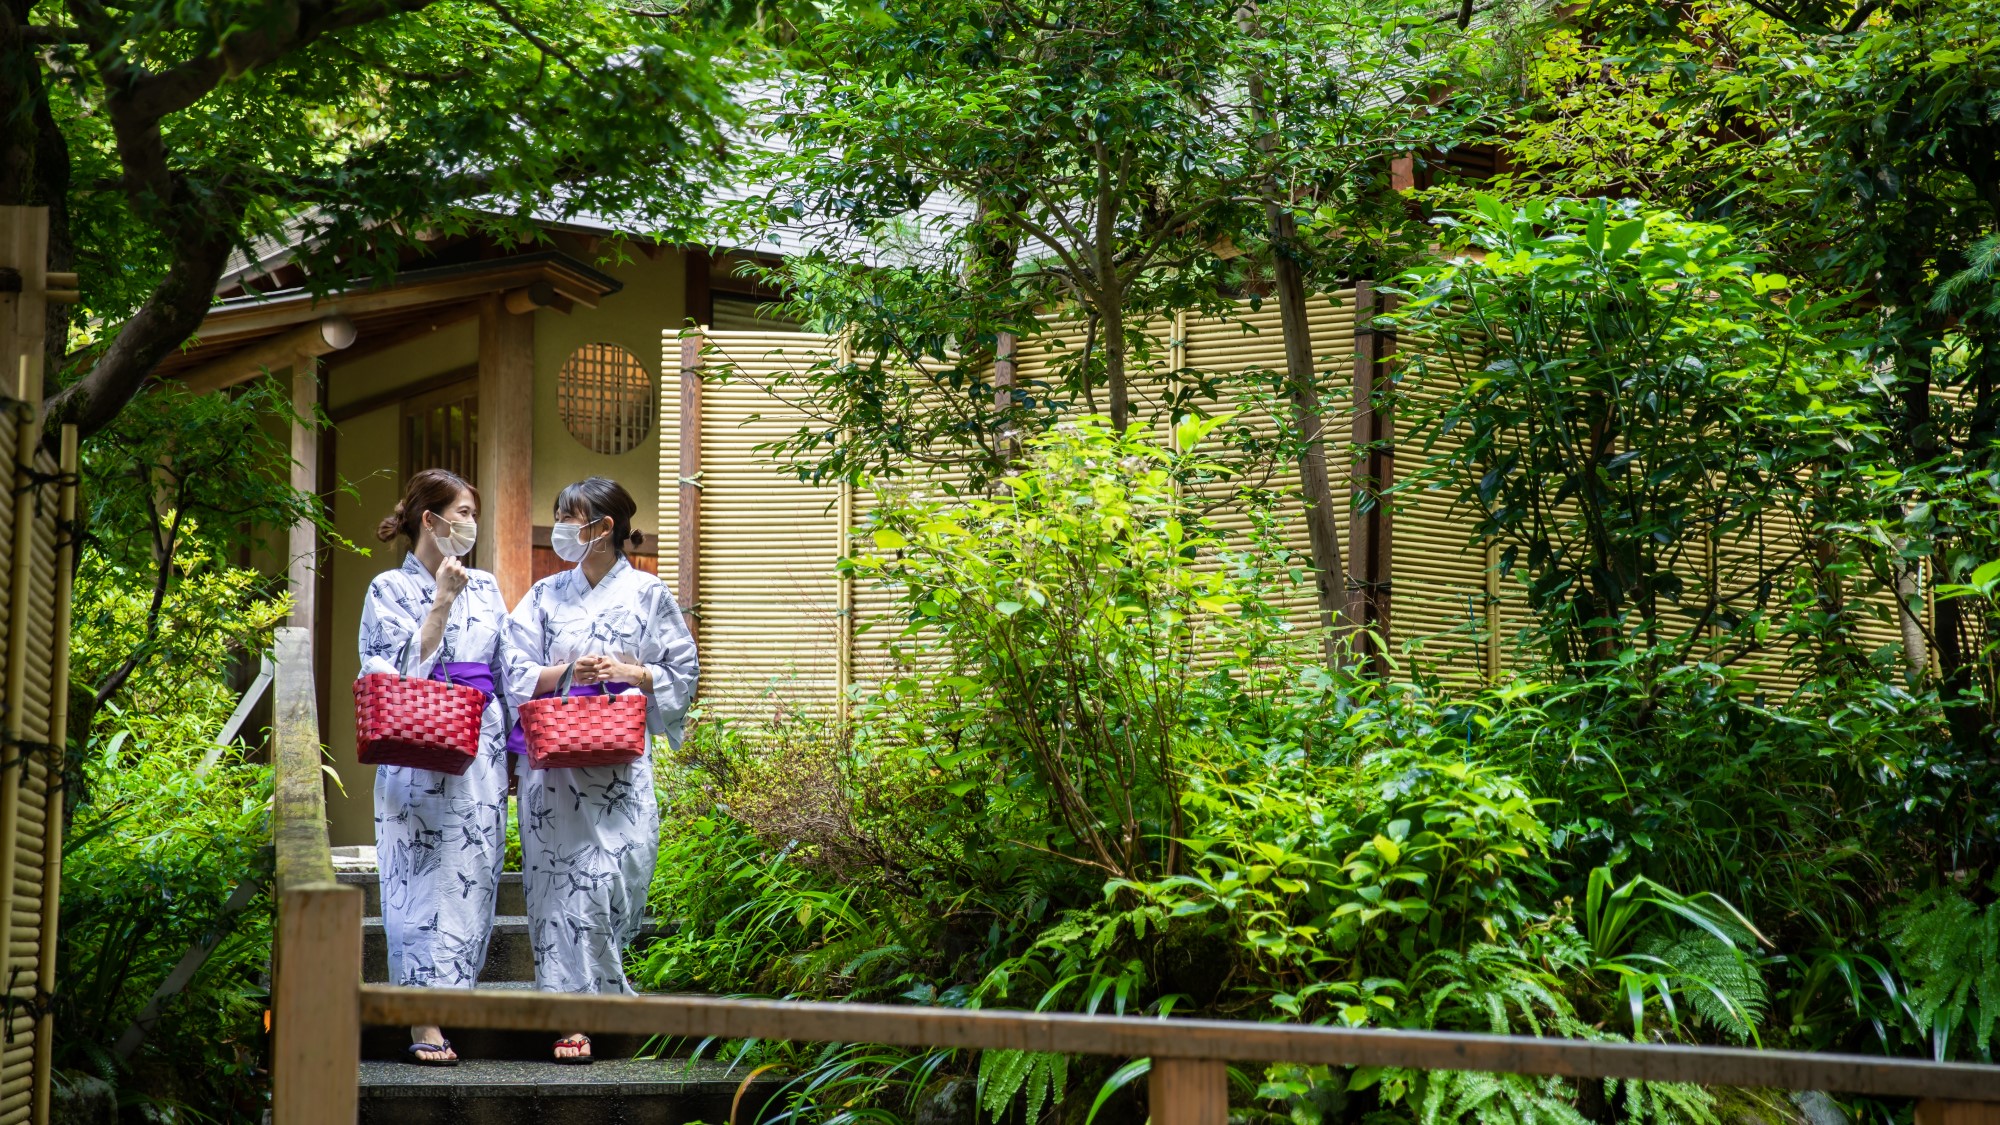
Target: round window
x,y
606,398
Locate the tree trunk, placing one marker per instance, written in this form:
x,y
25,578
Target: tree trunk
x,y
1110,295
1322,515
1302,378
1956,689
995,247
1112,313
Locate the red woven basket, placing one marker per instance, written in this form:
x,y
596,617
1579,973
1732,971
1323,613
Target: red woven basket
x,y
566,731
425,724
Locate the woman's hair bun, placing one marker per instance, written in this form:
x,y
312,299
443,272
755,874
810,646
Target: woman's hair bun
x,y
391,526
638,537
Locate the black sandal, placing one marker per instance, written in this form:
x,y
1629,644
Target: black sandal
x,y
428,1054
582,1041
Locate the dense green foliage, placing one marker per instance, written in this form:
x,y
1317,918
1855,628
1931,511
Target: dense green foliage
x,y
1115,778
168,823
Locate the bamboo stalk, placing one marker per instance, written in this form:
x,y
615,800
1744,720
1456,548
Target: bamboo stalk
x,y
52,822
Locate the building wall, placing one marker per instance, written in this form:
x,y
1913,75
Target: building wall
x,y
652,301
367,456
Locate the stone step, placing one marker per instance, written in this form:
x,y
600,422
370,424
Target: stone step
x,y
488,1043
512,901
625,1092
510,956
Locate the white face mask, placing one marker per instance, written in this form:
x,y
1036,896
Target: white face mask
x,y
461,539
567,541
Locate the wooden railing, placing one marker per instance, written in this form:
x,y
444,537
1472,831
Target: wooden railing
x,y
316,960
320,1006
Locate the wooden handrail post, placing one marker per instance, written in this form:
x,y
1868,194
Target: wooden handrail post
x,y
1934,1111
316,965
1188,1092
316,1006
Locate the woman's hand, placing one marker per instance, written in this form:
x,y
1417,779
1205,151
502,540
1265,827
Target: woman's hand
x,y
605,670
451,579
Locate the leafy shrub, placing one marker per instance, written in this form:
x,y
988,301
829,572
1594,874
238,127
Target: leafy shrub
x,y
1338,848
1656,432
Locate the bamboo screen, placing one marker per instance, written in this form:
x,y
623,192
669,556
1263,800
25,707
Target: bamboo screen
x,y
605,397
34,613
771,632
779,625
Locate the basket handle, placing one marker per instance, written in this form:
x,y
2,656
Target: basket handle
x,y
444,654
562,685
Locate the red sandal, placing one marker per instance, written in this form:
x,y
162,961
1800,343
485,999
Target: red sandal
x,y
575,1041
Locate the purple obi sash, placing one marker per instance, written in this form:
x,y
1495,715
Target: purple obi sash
x,y
517,739
466,673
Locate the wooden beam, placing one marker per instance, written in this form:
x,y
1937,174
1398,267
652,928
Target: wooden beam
x,y
1370,531
424,386
1188,1092
24,260
414,289
506,446
382,341
274,356
529,297
688,581
1147,1037
302,571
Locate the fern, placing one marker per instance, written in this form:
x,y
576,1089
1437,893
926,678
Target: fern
x,y
1038,1075
1664,1103
1721,984
1496,1099
1949,951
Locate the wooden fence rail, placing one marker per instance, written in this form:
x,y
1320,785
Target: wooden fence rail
x,y
320,1006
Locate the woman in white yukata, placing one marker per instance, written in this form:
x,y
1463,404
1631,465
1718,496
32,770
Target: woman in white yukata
x,y
440,840
590,836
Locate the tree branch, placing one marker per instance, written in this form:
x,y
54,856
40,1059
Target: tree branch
x,y
171,315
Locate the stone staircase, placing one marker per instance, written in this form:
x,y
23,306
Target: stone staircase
x,y
507,1077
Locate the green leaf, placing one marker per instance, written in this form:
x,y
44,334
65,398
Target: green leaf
x,y
1122,1077
1624,236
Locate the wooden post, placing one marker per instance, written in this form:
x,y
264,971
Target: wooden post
x,y
689,579
316,965
1369,528
24,281
316,1006
1932,1111
1189,1092
506,446
303,570
697,297
52,812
